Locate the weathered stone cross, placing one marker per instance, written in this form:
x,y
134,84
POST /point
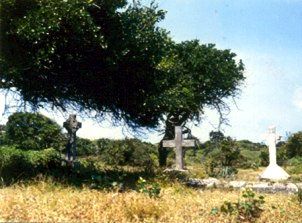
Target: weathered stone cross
x,y
178,143
72,126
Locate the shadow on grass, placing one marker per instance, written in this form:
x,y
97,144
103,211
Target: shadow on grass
x,y
85,173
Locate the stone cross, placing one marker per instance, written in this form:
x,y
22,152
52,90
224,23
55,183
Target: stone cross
x,y
72,126
178,143
272,138
273,171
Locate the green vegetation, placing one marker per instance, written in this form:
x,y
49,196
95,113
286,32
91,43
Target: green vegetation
x,y
246,210
131,152
198,76
32,131
17,164
124,172
89,55
151,189
294,145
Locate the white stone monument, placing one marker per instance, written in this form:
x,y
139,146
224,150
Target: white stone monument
x,y
273,171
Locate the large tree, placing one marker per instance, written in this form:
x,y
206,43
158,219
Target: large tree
x,y
198,76
109,56
95,55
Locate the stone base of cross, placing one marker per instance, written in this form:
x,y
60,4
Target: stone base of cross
x,y
178,143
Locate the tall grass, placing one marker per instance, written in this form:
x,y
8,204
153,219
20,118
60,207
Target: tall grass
x,y
45,202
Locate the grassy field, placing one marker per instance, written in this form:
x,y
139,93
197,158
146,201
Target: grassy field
x,y
44,201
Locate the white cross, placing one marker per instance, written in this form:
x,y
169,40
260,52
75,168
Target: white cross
x,y
272,138
178,143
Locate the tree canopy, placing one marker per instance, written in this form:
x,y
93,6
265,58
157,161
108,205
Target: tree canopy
x,y
198,76
29,131
96,55
110,56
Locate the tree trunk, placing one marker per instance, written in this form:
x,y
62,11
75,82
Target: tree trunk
x,y
162,155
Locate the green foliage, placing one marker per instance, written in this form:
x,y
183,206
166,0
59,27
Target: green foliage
x,y
251,146
130,152
96,55
152,189
224,159
86,147
16,162
294,168
30,131
249,159
264,158
295,161
248,209
2,135
216,137
103,144
198,76
99,182
294,145
281,156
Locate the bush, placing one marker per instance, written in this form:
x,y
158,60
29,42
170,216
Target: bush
x,y
103,144
250,158
151,189
264,158
16,162
28,131
86,147
128,152
294,145
224,159
281,156
2,140
248,209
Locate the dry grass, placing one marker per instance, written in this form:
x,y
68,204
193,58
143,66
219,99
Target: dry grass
x,y
44,202
249,174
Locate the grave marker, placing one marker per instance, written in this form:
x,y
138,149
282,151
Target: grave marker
x,y
72,126
273,171
178,143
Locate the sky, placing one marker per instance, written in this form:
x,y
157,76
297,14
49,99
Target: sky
x,y
266,35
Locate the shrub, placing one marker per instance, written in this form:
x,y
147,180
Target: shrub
x,y
151,189
250,158
248,209
264,158
16,162
2,139
224,159
128,152
294,145
85,147
28,131
103,144
282,155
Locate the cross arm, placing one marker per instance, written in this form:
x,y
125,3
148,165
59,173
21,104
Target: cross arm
x,y
169,143
188,143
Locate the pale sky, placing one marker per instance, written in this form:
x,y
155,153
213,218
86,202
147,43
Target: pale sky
x,y
266,35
